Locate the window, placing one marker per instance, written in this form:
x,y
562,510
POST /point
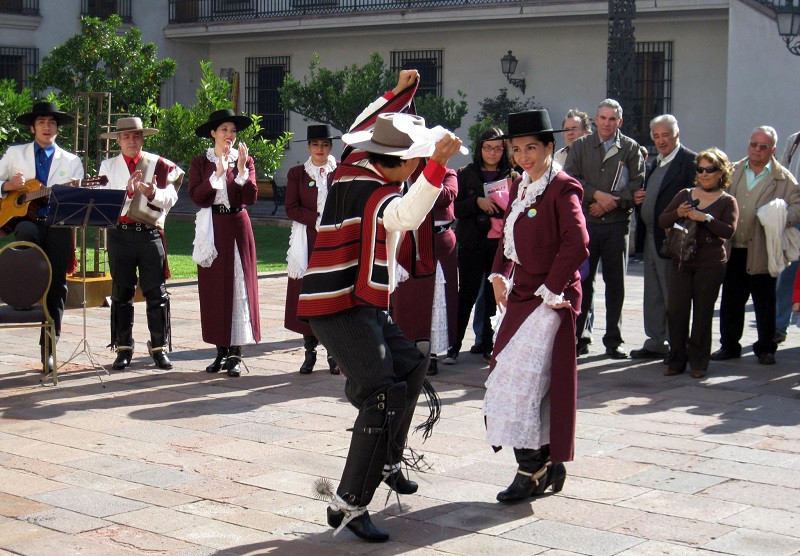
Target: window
x,y
429,65
653,74
19,64
104,8
20,7
232,6
264,76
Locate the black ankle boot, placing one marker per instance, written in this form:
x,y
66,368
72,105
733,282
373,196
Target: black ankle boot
x,y
524,486
361,526
308,365
334,368
556,475
232,362
219,361
433,366
123,359
398,483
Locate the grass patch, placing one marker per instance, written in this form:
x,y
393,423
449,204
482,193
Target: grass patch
x,y
271,245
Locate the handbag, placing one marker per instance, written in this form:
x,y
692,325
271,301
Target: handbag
x,y
681,242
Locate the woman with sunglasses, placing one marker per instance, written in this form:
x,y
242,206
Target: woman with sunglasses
x,y
476,249
694,285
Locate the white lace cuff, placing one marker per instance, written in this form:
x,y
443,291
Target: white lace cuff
x,y
242,178
549,297
505,280
216,182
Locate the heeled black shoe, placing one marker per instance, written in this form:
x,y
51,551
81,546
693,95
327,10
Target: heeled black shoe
x,y
398,483
308,365
556,476
433,367
334,368
219,361
361,526
161,360
123,359
232,362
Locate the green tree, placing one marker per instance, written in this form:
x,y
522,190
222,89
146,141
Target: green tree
x,y
177,141
337,97
103,59
494,112
12,104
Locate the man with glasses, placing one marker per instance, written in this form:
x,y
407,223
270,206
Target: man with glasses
x,y
672,170
610,167
576,124
757,180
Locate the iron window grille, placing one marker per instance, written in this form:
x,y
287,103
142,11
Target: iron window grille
x,y
429,65
19,7
262,79
19,64
653,95
104,8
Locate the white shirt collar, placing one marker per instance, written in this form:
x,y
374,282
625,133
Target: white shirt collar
x,y
662,160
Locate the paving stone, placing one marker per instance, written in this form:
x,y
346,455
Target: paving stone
x,y
487,545
15,506
89,502
756,494
670,529
600,491
67,545
747,471
563,536
746,542
673,480
158,520
768,520
162,477
753,455
141,541
658,548
683,505
15,531
22,484
65,521
220,535
583,513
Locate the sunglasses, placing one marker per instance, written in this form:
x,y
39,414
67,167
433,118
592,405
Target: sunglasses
x,y
707,169
759,146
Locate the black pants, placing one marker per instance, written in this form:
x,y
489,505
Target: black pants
x,y
129,251
474,265
737,287
374,356
607,243
692,291
57,245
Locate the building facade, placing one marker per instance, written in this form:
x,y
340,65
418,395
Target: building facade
x,y
718,65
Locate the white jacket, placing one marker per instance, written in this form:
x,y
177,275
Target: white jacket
x,y
19,158
783,244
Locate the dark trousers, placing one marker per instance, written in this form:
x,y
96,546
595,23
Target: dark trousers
x,y
57,245
737,287
607,243
129,251
473,266
692,291
375,357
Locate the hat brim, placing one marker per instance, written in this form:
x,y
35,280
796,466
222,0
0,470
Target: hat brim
x,y
527,133
115,134
316,139
61,117
362,140
241,122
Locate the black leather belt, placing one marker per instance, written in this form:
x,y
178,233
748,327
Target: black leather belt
x,y
442,228
135,226
222,209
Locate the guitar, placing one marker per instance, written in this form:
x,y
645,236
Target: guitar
x,y
24,204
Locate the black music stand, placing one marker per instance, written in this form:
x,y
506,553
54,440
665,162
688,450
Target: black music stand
x,y
83,207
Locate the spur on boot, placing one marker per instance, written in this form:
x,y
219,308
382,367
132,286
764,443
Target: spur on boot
x,y
398,483
232,362
219,361
123,359
308,365
524,486
334,368
361,526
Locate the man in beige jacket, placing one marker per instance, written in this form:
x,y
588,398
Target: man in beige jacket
x,y
757,180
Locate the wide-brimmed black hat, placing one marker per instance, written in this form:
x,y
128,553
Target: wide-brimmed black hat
x,y
45,109
529,122
219,117
318,131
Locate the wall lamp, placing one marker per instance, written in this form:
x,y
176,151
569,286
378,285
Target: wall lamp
x,y
509,65
787,15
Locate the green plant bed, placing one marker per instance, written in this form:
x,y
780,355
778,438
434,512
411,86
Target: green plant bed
x,y
271,245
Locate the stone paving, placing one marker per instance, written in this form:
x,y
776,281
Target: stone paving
x,y
187,463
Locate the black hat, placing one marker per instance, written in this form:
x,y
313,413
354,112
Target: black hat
x,y
529,122
219,117
45,109
319,131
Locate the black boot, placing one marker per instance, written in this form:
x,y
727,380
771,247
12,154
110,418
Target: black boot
x,y
159,325
531,475
433,366
396,481
123,359
361,526
334,368
308,365
556,475
219,361
232,363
